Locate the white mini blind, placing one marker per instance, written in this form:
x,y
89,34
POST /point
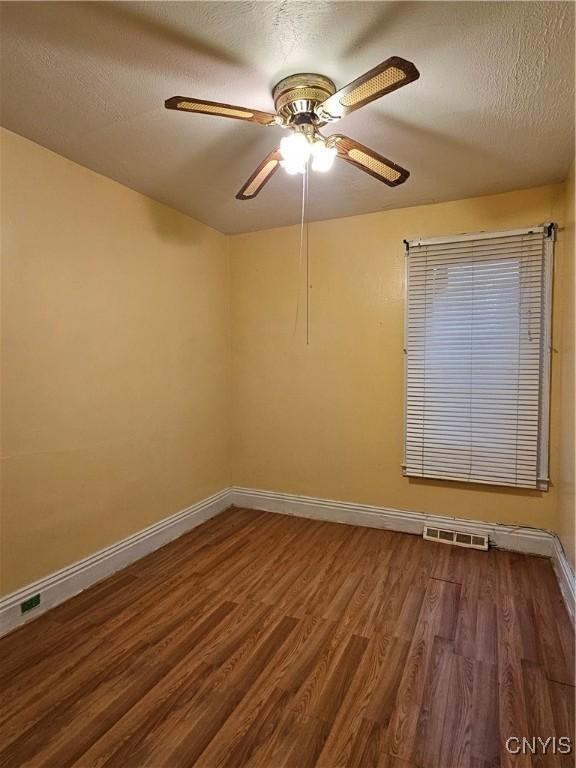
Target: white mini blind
x,y
477,357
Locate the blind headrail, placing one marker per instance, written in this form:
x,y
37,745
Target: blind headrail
x,y
547,229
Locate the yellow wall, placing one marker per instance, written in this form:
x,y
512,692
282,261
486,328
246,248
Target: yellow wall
x,y
121,399
325,419
115,361
567,505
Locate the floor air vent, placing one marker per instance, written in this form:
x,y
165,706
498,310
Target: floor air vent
x,y
446,536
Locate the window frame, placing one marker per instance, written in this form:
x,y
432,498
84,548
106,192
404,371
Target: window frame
x,y
543,450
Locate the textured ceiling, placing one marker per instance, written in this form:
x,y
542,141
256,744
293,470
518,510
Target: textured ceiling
x,y
492,111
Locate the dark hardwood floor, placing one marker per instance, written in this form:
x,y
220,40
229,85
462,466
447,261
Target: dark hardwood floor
x,y
270,641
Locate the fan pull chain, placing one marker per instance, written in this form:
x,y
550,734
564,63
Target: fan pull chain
x,y
306,177
303,242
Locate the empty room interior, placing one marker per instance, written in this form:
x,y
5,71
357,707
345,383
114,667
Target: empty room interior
x,y
287,384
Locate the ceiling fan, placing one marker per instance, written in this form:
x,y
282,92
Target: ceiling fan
x,y
306,102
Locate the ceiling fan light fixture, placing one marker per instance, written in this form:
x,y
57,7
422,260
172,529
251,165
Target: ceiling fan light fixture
x,y
297,150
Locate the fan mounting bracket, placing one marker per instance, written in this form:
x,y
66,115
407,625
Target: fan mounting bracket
x,y
296,97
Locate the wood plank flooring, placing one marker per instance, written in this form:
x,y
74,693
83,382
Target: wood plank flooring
x,y
270,641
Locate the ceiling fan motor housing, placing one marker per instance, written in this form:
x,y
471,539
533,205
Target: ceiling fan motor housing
x,y
297,96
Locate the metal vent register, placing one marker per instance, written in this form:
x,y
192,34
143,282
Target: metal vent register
x,y
460,539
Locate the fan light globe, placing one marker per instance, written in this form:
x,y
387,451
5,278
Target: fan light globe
x,y
292,167
295,149
322,157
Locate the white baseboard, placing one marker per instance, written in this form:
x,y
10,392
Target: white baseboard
x,y
535,541
63,584
565,576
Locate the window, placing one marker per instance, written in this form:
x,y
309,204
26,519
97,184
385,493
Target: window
x,y
477,352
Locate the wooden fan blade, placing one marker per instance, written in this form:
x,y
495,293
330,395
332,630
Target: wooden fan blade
x,y
385,78
261,175
185,104
369,161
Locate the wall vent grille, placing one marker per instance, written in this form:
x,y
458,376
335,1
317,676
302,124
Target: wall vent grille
x,y
446,536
